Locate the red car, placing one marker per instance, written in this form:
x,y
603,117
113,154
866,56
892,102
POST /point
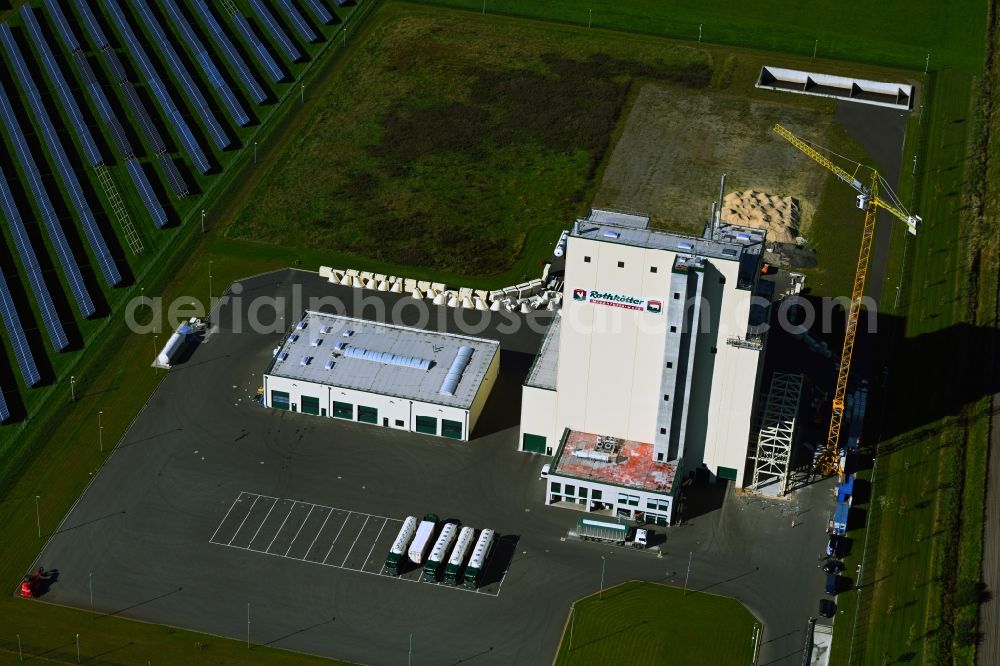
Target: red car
x,y
31,586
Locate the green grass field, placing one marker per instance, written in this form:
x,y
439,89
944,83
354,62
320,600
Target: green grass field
x,y
648,623
55,452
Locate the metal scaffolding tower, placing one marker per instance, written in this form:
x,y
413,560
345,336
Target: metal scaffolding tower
x,y
777,430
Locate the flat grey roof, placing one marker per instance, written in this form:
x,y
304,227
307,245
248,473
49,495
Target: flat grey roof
x,y
382,375
619,218
543,370
728,242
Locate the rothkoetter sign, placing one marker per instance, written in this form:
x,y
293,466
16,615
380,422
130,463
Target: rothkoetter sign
x,y
617,300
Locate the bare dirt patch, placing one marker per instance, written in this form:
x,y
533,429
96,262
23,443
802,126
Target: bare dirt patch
x,y
676,143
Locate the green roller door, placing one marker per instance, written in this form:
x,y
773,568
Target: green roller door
x,y
367,414
343,410
427,425
533,443
452,429
310,405
727,473
279,400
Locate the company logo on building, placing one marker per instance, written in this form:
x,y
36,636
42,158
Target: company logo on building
x,y
617,300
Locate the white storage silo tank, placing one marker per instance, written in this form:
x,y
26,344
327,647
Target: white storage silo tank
x,y
173,346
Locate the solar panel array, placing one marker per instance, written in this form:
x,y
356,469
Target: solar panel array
x,y
277,33
234,59
264,56
65,95
167,105
22,352
207,65
66,259
299,22
69,179
29,260
180,70
198,68
320,11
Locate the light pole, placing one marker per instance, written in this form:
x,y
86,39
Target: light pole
x,y
38,517
590,17
91,577
409,653
815,47
100,431
255,152
20,657
72,387
688,574
154,353
210,286
202,220
913,172
248,625
78,648
700,26
302,91
572,623
603,562
927,63
484,6
142,297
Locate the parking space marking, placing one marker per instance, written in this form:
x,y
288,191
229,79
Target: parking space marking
x,y
244,517
413,576
338,536
369,555
280,527
299,531
355,541
226,517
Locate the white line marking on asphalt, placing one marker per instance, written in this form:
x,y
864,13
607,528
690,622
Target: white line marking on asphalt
x,y
261,525
338,535
300,530
355,540
231,507
280,527
317,534
375,542
244,520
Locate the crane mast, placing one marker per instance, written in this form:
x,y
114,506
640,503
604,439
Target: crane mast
x,y
869,201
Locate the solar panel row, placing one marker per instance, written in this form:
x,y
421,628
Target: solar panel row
x,y
299,22
320,11
29,260
207,66
264,56
55,76
97,243
173,174
167,105
58,239
146,193
90,22
219,136
234,59
62,25
100,100
277,33
4,409
22,352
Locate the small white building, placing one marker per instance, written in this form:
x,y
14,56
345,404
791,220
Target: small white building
x,y
393,376
612,477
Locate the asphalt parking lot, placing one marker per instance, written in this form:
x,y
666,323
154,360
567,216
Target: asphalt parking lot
x,y
212,506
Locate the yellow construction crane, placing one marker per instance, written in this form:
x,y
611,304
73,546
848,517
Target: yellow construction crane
x,y
868,201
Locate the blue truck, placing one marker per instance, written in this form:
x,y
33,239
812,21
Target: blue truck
x,y
840,515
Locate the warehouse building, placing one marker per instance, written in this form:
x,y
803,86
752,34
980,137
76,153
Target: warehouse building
x,y
392,376
657,350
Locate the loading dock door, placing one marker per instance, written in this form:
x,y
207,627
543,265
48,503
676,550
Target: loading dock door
x,y
533,443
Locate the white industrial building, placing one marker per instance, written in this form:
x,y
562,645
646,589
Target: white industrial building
x,y
393,376
649,373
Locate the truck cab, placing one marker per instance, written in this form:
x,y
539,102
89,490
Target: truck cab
x,y
641,538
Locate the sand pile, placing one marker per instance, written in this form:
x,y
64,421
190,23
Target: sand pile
x,y
750,208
